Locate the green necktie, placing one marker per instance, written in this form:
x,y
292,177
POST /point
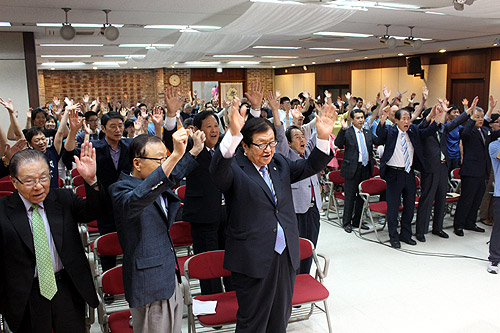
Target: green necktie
x,y
439,140
46,277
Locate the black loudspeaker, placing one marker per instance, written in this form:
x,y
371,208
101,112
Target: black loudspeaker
x,y
414,66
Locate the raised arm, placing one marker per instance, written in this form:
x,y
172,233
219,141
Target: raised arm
x,y
14,132
421,106
75,123
62,129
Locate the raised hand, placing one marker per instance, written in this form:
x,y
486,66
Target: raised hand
x,y
273,101
325,122
173,101
180,139
157,116
86,127
86,164
236,117
465,102
348,95
86,98
18,146
8,105
199,138
386,92
75,121
278,93
297,113
255,95
443,105
344,123
412,98
138,123
493,103
473,105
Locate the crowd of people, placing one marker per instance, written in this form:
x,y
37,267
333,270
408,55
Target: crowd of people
x,y
254,171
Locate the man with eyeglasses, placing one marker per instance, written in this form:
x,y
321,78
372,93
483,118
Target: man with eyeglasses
x,y
92,121
262,244
46,278
145,208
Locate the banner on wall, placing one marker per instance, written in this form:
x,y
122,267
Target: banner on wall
x,y
231,90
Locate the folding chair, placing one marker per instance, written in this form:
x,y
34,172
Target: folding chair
x,y
308,289
74,173
183,242
376,171
181,192
335,179
77,181
80,191
455,180
113,320
367,190
208,265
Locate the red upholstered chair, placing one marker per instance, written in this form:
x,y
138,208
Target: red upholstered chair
x,y
108,245
376,171
80,191
5,193
77,181
367,190
74,173
111,282
309,289
181,192
60,182
208,265
339,154
455,180
6,185
334,179
183,242
92,227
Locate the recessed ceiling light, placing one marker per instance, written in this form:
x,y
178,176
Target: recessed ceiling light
x,y
232,56
341,34
365,57
77,25
278,47
279,57
63,64
337,59
135,67
314,62
328,49
243,62
442,51
274,66
76,45
5,24
66,56
94,67
400,54
293,65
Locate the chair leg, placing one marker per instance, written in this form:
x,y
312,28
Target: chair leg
x,y
325,302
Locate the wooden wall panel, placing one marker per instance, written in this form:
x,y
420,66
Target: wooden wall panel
x,y
210,74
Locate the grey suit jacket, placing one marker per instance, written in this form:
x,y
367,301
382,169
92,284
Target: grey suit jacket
x,y
301,190
149,261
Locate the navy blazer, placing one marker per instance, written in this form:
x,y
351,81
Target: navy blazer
x,y
347,138
252,213
149,261
476,159
17,255
389,134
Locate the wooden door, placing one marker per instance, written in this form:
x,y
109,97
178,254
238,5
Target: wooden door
x,y
469,88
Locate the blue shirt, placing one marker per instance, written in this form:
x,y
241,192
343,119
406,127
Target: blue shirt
x,y
494,148
453,143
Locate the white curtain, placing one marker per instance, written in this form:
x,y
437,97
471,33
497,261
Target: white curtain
x,y
259,20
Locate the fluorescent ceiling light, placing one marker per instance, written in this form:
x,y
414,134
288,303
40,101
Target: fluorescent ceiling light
x,y
188,29
5,24
280,57
63,64
341,34
79,45
232,56
134,45
78,25
329,49
397,5
371,4
66,56
243,62
278,47
202,63
435,13
279,2
162,45
180,27
124,56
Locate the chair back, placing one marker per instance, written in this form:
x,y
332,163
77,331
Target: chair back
x,y
74,173
334,177
77,181
181,234
376,171
455,173
6,185
5,193
373,186
112,281
340,154
206,265
181,192
306,248
108,245
417,182
80,191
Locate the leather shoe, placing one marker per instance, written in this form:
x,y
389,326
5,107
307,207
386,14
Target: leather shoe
x,y
459,232
363,227
348,228
420,238
475,228
395,244
441,234
409,241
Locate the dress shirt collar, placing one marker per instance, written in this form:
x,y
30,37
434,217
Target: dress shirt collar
x,y
28,204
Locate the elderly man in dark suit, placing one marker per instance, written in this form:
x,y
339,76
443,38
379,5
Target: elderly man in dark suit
x,y
145,208
262,245
474,172
46,277
402,154
356,166
434,182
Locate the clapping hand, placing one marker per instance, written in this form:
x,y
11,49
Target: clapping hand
x,y
86,164
325,122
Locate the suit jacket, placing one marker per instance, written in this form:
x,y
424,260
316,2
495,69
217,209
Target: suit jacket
x,y
149,261
301,190
476,157
347,138
388,135
17,255
202,201
252,213
433,147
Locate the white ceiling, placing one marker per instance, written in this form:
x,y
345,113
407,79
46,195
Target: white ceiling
x,y
476,27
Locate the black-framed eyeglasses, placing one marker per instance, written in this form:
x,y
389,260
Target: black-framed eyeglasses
x,y
159,159
263,146
32,182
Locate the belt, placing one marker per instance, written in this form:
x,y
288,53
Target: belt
x,y
396,168
58,275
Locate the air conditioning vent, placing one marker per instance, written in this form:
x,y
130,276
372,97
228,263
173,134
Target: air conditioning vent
x,y
54,32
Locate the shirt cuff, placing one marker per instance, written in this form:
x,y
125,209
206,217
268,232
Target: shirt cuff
x,y
255,112
488,119
323,145
229,144
171,123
